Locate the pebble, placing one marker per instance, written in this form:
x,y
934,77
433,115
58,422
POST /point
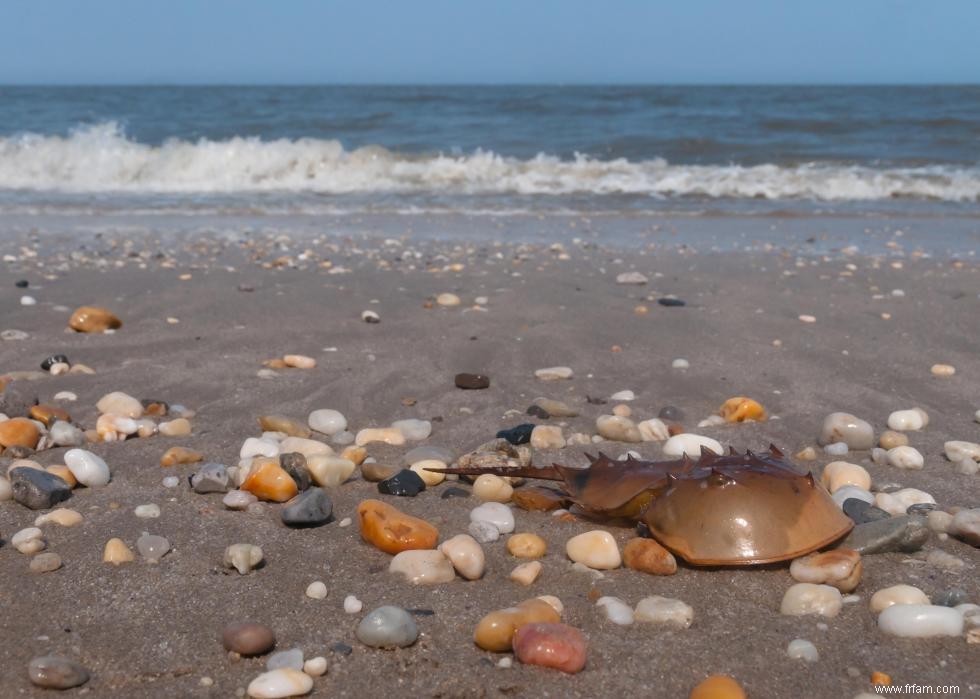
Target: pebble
x,y
890,439
370,317
299,361
19,432
906,457
267,480
547,437
903,533
690,444
311,508
844,427
416,454
671,302
947,598
899,501
430,477
920,621
840,568
93,319
67,396
152,547
37,490
555,373
179,427
554,408
472,382
242,557
526,545
617,611
388,435
413,430
718,687
45,562
284,682
466,556
807,598
596,549
861,511
89,470
56,672
653,430
495,631
180,455
665,611
292,658
946,561
352,605
966,526
119,403
740,409
211,478
939,521
116,552
28,541
906,420
957,450
491,488
329,471
61,516
286,425
405,483
553,645
327,421
316,590
149,511
631,278
897,594
838,474
526,573
496,514
387,627
248,638
253,447
647,556
484,532
618,429
393,531
315,667
520,434
63,434
836,449
238,499
538,498
423,567
801,649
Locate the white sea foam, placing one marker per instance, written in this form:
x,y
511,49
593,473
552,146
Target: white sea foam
x,y
101,159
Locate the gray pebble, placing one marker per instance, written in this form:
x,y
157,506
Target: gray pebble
x,y
56,672
292,658
210,478
921,508
45,562
310,508
388,627
38,490
294,464
951,598
64,434
863,512
836,449
484,532
905,533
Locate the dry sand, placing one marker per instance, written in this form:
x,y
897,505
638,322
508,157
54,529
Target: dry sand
x,y
153,630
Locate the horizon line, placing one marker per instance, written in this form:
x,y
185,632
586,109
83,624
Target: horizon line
x,y
490,84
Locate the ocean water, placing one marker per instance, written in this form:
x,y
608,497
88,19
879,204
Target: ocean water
x,y
494,151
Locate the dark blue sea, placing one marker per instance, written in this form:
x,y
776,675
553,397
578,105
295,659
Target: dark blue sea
x,y
490,151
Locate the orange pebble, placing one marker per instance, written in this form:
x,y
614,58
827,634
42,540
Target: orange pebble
x,y
19,432
49,414
269,481
718,687
180,455
393,531
92,319
880,678
63,473
740,409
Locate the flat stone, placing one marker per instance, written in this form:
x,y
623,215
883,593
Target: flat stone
x,y
210,478
863,512
472,382
555,408
56,672
311,508
45,562
38,490
519,434
405,483
905,533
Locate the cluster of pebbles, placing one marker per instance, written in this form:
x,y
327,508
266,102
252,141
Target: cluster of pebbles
x,y
295,464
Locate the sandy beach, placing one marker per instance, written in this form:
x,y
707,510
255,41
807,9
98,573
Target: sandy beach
x,y
153,630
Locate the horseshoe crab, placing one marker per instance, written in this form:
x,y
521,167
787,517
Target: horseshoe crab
x,y
736,509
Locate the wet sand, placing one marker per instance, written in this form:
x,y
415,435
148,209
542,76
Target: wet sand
x,y
153,630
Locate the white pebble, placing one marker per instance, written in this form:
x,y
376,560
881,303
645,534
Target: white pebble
x,y
466,555
664,610
316,590
284,682
801,649
906,420
690,444
555,373
28,301
327,421
495,513
836,449
921,621
414,430
484,532
150,511
623,396
897,594
171,482
808,598
906,457
838,474
352,605
653,430
89,470
596,549
315,667
66,396
617,611
423,567
901,500
852,491
680,364
28,541
957,450
254,446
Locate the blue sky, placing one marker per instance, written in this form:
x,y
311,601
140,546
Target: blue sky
x,y
489,41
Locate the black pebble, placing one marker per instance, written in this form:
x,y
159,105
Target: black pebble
x,y
52,360
671,302
521,434
294,464
671,413
38,490
472,382
921,508
454,493
21,283
951,598
862,512
406,483
311,508
341,648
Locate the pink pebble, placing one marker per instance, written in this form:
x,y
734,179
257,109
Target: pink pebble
x,y
559,646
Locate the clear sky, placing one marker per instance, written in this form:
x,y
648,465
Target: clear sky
x,y
489,41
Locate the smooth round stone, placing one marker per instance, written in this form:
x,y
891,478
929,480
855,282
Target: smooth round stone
x,y
495,631
617,611
937,520
718,687
653,430
248,638
254,446
836,449
838,474
495,513
897,594
327,421
904,533
352,605
116,552
557,646
921,621
45,562
947,598
844,427
316,590
175,428
430,477
807,598
547,437
907,458
555,373
466,556
484,532
37,490
292,658
211,478
28,541
242,557
311,508
152,547
680,363
62,517
414,430
526,545
801,649
387,627
471,382
64,434
93,319
863,512
966,526
56,672
958,450
284,682
387,435
238,499
900,501
447,299
647,556
840,568
526,573
852,492
405,483
890,439
423,567
553,408
299,361
19,432
315,667
618,429
671,302
150,511
491,488
119,403
665,611
596,549
393,531
520,434
908,420
89,470
690,444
